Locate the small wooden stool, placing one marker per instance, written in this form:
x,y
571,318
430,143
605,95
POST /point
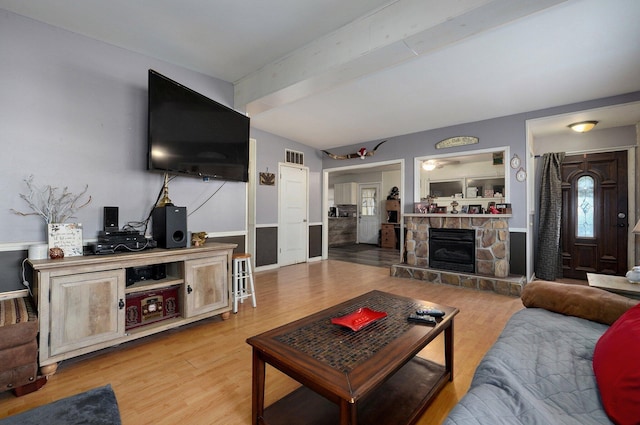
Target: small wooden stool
x,y
242,275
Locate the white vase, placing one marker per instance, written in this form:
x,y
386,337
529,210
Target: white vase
x,y
633,275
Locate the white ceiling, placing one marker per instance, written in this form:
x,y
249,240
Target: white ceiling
x,y
330,73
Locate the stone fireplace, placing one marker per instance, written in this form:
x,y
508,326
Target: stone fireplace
x,y
490,234
491,239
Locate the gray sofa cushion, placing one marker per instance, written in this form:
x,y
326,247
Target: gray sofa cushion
x,y
539,371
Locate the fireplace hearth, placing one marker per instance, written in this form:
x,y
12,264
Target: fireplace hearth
x,y
452,249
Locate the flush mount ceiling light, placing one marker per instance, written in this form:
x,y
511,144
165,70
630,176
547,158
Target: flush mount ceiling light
x,y
429,165
583,126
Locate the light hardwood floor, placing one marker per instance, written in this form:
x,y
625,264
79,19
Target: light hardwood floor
x,y
201,373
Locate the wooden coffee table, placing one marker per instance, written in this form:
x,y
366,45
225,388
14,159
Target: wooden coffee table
x,y
370,376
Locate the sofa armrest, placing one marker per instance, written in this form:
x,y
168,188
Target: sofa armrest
x,y
581,301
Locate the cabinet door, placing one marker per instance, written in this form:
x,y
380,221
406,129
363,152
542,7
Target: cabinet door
x,y
338,193
206,284
345,193
388,236
85,310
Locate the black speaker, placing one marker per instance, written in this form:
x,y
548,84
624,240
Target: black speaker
x,y
170,226
110,219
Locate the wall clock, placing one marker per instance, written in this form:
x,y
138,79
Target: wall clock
x,y
515,161
521,175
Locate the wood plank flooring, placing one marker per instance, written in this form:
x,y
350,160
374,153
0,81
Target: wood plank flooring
x,y
370,255
201,373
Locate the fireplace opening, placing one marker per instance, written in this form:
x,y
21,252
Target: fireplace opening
x,y
452,249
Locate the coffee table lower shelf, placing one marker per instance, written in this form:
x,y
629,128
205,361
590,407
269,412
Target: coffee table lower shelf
x,y
402,399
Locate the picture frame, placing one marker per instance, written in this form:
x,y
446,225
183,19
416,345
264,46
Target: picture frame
x,y
66,236
464,209
267,179
441,210
421,207
475,209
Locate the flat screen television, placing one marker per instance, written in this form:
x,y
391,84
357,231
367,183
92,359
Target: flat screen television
x,y
193,135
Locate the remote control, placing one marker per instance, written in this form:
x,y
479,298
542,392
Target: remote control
x,y
422,319
430,312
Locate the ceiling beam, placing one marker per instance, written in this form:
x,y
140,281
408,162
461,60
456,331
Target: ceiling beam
x,y
389,36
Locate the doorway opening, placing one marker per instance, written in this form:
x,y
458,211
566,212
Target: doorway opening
x,y
354,203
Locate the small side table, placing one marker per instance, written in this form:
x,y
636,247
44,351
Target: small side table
x,y
617,284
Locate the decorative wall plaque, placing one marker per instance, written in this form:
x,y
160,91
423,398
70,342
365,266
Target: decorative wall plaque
x,y
66,236
457,141
268,179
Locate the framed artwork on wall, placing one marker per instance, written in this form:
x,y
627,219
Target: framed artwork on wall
x,y
268,179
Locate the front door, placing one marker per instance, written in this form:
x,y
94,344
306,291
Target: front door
x,y
368,213
292,223
594,214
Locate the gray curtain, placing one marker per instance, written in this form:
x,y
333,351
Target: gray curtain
x,y
549,256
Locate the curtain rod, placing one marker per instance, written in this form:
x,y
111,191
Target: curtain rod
x,y
600,150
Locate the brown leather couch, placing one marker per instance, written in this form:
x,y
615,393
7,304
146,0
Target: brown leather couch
x,y
19,346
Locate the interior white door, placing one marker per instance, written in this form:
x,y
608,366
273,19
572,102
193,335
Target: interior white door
x,y
368,213
293,215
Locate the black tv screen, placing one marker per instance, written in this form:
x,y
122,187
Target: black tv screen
x,y
194,135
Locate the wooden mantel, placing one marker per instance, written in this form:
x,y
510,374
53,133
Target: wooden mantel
x,y
458,215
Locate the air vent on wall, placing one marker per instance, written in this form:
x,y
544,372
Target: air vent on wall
x,y
294,157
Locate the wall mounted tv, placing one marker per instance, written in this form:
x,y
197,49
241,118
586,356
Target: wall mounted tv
x,y
193,135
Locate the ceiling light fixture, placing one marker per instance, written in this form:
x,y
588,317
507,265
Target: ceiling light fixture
x,y
583,126
428,165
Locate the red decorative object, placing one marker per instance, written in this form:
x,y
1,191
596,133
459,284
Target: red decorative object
x,y
152,306
359,318
615,364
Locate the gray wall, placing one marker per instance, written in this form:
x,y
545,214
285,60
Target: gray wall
x,y
270,151
74,113
504,131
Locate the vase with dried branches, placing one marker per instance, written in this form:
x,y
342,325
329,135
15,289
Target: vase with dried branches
x,y
55,206
51,203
